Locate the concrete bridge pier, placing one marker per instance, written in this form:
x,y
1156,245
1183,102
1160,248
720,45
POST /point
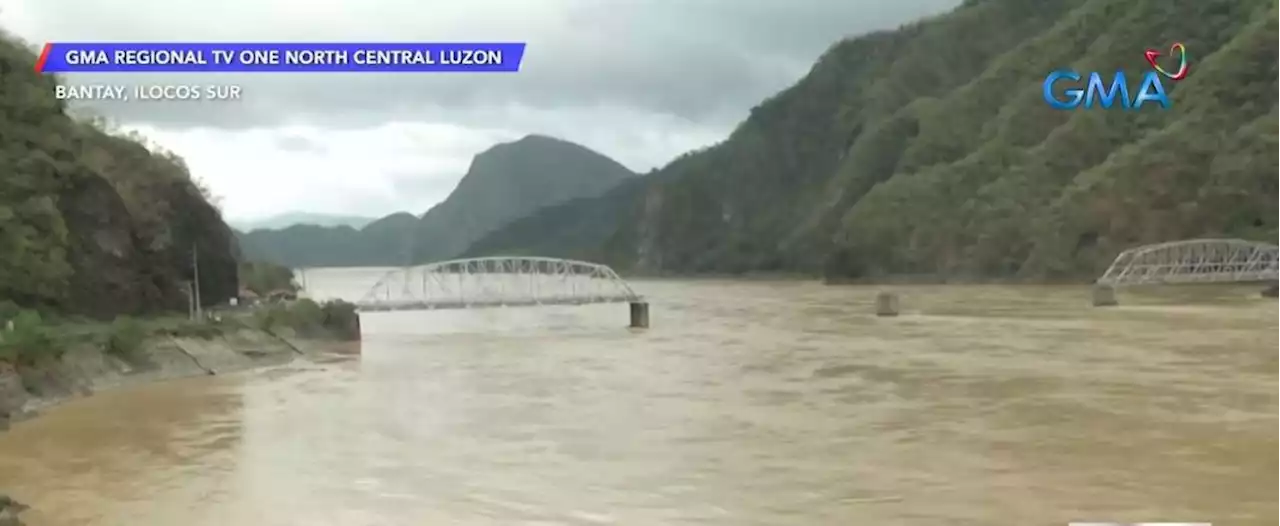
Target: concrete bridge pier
x,y
1104,296
1271,291
640,314
886,304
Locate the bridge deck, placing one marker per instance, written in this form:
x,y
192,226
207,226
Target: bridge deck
x,y
1194,261
511,281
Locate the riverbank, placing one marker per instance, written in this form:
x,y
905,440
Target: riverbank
x,y
27,389
43,364
83,370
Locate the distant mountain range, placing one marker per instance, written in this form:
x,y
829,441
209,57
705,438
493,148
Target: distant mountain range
x,y
504,183
289,219
930,150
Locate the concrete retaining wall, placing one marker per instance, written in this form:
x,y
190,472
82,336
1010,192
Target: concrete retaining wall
x,y
84,370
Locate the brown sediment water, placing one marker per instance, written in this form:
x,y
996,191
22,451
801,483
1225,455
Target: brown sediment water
x,y
746,403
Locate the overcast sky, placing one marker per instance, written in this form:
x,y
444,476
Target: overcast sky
x,y
638,80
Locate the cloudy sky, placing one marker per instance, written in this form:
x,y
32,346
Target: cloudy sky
x,y
638,80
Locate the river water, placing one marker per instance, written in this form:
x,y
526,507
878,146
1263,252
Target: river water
x,y
746,403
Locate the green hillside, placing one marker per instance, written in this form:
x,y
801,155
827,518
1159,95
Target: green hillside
x,y
383,242
929,150
508,182
94,222
504,183
571,229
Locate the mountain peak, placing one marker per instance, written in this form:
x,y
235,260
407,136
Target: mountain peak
x,y
537,137
509,181
504,183
535,145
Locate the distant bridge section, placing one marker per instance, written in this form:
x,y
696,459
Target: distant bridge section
x,y
1194,261
497,282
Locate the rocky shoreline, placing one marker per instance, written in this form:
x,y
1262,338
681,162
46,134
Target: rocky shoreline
x,y
88,369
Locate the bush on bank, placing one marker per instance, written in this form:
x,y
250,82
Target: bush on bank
x,y
26,339
125,337
263,278
341,318
333,318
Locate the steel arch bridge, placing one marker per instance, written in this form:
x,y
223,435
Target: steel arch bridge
x,y
497,282
1194,261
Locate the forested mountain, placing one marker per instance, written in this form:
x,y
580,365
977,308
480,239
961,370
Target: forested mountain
x,y
510,181
380,243
289,219
930,150
94,222
505,182
571,229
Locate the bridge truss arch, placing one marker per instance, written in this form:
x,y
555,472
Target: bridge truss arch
x,y
1194,261
497,282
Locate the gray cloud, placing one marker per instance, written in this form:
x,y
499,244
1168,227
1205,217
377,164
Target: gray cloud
x,y
296,143
638,80
704,61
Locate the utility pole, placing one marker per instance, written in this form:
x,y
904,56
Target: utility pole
x,y
195,265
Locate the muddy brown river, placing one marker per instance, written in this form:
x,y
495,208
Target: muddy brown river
x,y
746,403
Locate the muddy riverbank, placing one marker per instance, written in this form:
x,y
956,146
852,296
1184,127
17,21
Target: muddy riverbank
x,y
86,369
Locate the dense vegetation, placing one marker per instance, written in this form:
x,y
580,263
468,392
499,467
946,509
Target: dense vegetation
x,y
331,319
504,183
35,340
929,150
263,278
94,222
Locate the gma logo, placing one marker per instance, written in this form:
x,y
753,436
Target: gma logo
x,y
1097,92
1063,91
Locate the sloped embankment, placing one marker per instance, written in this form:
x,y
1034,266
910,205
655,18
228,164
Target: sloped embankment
x,y
84,370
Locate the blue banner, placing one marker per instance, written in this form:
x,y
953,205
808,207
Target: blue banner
x,y
280,57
